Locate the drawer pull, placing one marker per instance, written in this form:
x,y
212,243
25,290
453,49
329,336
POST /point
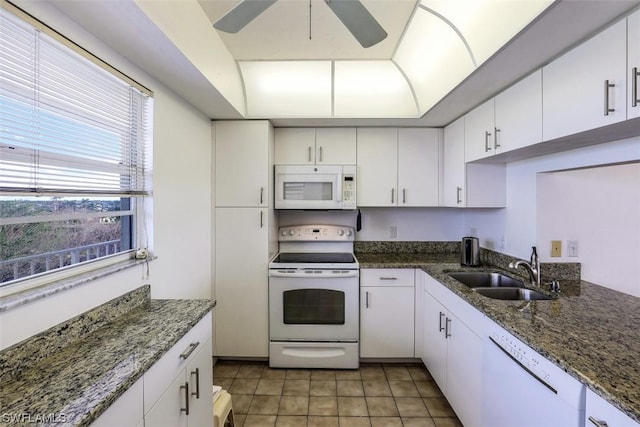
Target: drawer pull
x,y
388,278
197,374
185,354
185,387
598,423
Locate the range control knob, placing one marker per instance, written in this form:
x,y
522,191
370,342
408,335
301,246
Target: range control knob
x,y
291,232
284,232
341,232
349,233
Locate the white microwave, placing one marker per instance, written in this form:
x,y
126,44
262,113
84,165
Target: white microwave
x,y
315,187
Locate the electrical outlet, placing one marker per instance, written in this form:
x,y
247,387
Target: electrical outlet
x,y
572,248
556,248
393,232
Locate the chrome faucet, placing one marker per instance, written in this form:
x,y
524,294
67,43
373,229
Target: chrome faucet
x,y
532,267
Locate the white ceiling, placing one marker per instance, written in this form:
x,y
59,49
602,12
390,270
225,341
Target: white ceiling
x,y
193,64
282,31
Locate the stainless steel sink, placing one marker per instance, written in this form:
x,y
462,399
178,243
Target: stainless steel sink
x,y
478,279
517,294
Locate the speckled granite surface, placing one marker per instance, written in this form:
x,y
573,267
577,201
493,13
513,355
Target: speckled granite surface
x,y
81,379
591,332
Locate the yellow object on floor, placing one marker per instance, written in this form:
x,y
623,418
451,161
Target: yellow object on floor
x,y
222,409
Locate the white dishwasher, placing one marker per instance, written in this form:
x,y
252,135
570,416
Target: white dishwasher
x,y
522,388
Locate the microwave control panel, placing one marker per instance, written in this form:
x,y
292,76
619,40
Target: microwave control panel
x,y
348,187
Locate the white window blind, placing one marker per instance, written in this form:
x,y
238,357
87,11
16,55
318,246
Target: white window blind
x,y
67,126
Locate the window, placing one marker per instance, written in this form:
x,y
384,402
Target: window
x,y
74,152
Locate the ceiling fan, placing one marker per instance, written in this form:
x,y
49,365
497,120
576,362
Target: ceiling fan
x,y
352,13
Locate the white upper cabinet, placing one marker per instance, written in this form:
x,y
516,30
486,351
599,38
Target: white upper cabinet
x,y
326,146
398,167
242,174
518,115
633,61
586,87
377,167
479,132
454,187
418,166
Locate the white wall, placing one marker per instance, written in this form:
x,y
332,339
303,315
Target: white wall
x,y
600,209
181,203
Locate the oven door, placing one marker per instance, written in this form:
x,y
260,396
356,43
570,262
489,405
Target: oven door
x,y
308,187
314,305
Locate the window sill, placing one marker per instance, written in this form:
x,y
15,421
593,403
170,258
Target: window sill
x,y
25,297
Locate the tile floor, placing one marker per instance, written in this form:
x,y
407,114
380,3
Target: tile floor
x,y
376,395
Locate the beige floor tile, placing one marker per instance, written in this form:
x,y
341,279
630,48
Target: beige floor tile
x,y
323,388
225,370
354,422
241,403
439,407
352,406
270,387
250,371
419,373
323,374
376,388
349,388
418,422
403,389
411,407
399,373
264,405
348,374
291,421
386,422
313,421
428,389
294,405
372,373
298,374
447,422
296,388
239,420
323,405
243,386
273,373
382,407
260,421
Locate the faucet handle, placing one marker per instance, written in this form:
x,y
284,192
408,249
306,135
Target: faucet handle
x,y
534,255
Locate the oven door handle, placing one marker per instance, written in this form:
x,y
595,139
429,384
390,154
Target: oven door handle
x,y
311,274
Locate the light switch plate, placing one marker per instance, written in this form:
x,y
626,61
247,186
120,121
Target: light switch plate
x,y
556,248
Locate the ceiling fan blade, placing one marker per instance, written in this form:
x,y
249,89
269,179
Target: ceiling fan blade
x,y
358,21
241,15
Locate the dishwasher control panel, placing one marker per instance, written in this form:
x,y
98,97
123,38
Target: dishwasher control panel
x,y
522,354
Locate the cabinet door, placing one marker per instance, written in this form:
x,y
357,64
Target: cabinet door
x,y
295,146
127,411
454,166
598,410
242,163
633,61
434,353
479,132
573,88
377,167
386,321
170,409
199,375
518,114
336,146
418,167
241,285
464,371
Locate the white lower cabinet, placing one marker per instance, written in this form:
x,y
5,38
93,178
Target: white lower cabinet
x,y
600,413
127,411
452,349
387,313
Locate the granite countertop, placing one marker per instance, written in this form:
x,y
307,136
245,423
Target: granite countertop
x,y
80,380
589,331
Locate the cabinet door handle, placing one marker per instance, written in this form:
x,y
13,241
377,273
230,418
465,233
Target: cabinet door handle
x,y
261,195
447,328
320,153
261,219
404,196
366,299
440,327
185,387
393,193
598,423
634,86
496,145
309,154
185,354
487,134
458,195
607,86
197,374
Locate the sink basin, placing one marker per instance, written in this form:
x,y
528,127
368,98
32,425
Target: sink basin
x,y
516,294
478,279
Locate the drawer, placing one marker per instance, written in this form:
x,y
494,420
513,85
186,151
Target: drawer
x,y
387,277
160,375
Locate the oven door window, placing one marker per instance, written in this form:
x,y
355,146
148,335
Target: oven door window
x,y
313,307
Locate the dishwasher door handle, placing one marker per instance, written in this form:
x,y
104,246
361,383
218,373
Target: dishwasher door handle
x,y
527,370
